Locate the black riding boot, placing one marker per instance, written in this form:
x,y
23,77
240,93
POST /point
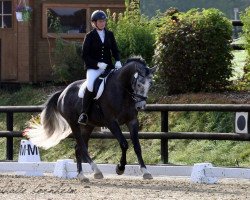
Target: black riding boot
x,y
86,103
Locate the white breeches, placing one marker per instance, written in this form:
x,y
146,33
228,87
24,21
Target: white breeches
x,y
92,74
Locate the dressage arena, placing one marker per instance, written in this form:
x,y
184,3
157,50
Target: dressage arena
x,y
120,187
57,180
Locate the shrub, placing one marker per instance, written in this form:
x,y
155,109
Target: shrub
x,y
68,65
193,51
134,32
245,17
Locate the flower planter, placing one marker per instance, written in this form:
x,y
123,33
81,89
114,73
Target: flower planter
x,y
19,16
26,15
23,13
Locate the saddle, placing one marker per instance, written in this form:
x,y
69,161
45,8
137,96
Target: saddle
x,y
99,84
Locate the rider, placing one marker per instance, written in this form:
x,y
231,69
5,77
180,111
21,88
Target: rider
x,y
97,50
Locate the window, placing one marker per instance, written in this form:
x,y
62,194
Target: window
x,y
71,20
66,20
5,14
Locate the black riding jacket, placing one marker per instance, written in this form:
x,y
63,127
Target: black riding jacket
x,y
94,51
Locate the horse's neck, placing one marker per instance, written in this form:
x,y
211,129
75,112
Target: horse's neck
x,y
125,75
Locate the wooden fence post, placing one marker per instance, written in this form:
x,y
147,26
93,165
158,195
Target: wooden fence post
x,y
9,142
164,141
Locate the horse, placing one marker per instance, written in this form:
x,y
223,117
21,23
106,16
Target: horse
x,y
125,94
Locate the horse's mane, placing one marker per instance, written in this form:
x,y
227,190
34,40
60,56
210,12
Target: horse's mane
x,y
144,70
136,59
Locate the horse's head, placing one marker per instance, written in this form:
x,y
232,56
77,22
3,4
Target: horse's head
x,y
141,82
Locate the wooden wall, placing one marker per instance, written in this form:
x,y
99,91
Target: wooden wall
x,y
24,51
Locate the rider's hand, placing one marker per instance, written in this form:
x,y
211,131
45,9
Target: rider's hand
x,y
118,65
102,65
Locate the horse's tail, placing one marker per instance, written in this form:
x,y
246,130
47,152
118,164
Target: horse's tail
x,y
53,127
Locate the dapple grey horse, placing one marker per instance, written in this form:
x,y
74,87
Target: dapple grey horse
x,y
125,93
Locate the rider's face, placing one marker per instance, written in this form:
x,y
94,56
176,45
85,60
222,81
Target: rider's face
x,y
100,23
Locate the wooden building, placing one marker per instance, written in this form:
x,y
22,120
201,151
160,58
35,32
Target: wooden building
x,y
25,47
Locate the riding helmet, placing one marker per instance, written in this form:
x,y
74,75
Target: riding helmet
x,y
97,15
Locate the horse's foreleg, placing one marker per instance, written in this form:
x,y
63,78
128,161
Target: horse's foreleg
x,y
133,129
116,131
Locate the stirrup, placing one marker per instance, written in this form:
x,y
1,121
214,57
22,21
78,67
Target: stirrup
x,y
83,118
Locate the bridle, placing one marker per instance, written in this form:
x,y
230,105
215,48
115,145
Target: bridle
x,y
137,97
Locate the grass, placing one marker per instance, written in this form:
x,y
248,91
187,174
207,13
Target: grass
x,y
239,62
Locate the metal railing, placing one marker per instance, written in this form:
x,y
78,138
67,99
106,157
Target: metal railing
x,y
164,135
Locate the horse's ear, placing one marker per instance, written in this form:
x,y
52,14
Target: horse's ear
x,y
153,70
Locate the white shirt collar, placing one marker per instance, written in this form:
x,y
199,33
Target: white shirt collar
x,y
101,34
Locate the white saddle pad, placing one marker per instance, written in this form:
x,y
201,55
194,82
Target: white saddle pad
x,y
99,93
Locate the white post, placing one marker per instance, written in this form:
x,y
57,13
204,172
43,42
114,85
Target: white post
x,y
198,174
236,11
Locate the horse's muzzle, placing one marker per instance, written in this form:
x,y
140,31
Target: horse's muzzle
x,y
140,105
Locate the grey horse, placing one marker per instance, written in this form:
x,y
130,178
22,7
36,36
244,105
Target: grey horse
x,y
125,93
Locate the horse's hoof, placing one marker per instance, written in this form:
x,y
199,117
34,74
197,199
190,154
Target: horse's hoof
x,y
147,176
119,170
85,180
82,178
98,175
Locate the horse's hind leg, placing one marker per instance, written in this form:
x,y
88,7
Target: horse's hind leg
x,y
133,129
82,155
79,164
86,132
115,129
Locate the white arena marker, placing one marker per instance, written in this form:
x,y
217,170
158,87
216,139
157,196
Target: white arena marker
x,y
198,174
61,171
28,152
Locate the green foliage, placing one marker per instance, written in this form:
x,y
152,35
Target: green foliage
x,y
245,17
26,15
54,23
134,32
220,153
193,52
220,122
239,63
68,65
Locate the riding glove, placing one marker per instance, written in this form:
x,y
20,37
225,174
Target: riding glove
x,y
118,65
102,65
